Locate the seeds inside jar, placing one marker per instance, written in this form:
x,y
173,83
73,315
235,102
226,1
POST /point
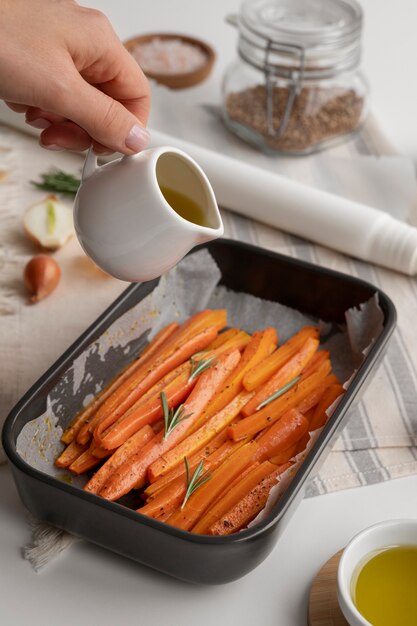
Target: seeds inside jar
x,y
318,114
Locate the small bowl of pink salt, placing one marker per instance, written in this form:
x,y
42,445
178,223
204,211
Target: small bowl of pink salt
x,y
176,61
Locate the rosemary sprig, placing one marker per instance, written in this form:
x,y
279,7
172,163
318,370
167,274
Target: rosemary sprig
x,y
196,481
172,418
58,181
200,366
278,393
50,217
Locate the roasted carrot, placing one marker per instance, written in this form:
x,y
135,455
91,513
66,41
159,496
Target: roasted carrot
x,y
196,323
285,455
302,443
248,507
316,362
132,473
219,443
199,502
281,435
226,335
232,496
238,341
148,412
122,454
98,451
142,380
262,371
87,412
261,344
70,454
253,424
86,461
315,395
290,370
319,417
168,499
198,439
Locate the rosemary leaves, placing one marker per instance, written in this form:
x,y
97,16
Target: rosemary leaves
x,y
172,418
200,366
278,393
195,481
58,181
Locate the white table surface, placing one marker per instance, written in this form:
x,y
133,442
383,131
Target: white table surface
x,y
88,585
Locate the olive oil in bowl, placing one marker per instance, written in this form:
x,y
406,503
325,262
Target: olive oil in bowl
x,y
384,588
186,208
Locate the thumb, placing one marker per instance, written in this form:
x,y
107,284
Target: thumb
x,y
106,120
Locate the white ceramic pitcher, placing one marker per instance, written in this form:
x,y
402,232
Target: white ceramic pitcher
x,y
123,221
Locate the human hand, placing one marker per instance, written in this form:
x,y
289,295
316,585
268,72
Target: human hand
x,y
65,68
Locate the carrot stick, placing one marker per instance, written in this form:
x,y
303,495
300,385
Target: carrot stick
x,y
261,344
223,337
248,507
200,501
87,412
198,438
316,394
253,424
176,391
281,435
260,373
232,496
86,461
302,443
98,451
249,468
132,445
169,498
238,341
316,362
133,388
320,417
71,452
218,442
132,473
290,370
285,455
196,323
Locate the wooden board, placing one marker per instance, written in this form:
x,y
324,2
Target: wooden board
x,y
323,607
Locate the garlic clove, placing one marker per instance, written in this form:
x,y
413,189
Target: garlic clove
x,y
49,223
41,275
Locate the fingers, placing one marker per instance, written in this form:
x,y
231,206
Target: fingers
x,y
17,108
65,135
127,83
38,118
106,120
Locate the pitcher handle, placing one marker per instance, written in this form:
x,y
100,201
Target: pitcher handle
x,y
90,165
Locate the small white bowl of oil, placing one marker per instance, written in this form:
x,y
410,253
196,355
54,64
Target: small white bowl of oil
x,y
377,575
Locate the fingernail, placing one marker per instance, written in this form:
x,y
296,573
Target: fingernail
x,y
52,146
40,123
138,138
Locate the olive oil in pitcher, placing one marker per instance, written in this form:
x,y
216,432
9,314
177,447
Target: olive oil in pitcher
x,y
186,208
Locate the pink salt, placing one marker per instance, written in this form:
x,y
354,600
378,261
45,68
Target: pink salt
x,y
168,56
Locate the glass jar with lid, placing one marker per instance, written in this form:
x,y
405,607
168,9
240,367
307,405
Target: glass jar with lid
x,y
296,86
